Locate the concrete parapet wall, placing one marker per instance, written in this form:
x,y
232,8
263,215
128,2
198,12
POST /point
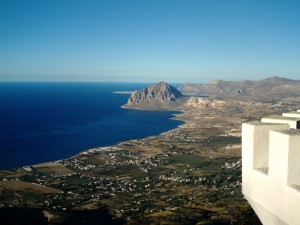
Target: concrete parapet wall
x,y
271,171
256,137
293,122
291,114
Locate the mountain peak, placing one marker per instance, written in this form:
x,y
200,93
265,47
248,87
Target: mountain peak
x,y
157,94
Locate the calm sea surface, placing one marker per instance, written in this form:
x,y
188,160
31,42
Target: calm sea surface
x,y
41,122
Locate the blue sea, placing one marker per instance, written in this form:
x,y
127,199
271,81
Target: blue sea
x,y
41,122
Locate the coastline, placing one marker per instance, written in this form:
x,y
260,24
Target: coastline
x,y
174,117
152,110
127,141
130,140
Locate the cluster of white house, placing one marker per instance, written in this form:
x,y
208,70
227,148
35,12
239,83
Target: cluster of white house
x,y
271,168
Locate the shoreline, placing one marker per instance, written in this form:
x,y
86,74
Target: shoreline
x,y
121,142
112,145
153,110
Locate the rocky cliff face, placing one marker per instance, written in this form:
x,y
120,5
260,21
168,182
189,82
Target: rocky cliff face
x,y
158,96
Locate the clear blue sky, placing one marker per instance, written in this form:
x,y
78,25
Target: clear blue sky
x,y
149,40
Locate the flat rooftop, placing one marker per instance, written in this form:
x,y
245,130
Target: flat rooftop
x,y
291,132
282,118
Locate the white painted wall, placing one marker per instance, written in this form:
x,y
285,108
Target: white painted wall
x,y
274,195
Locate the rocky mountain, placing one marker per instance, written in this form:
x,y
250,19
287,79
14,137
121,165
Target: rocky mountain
x,y
273,86
157,96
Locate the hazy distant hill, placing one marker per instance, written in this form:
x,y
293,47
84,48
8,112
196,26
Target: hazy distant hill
x,y
274,86
189,88
158,96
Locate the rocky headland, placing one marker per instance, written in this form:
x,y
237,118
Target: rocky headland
x,y
160,96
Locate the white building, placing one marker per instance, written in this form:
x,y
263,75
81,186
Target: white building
x,y
271,168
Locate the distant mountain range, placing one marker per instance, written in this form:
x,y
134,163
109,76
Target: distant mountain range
x,y
274,86
162,96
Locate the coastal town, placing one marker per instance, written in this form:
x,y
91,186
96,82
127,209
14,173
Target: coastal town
x,y
188,175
